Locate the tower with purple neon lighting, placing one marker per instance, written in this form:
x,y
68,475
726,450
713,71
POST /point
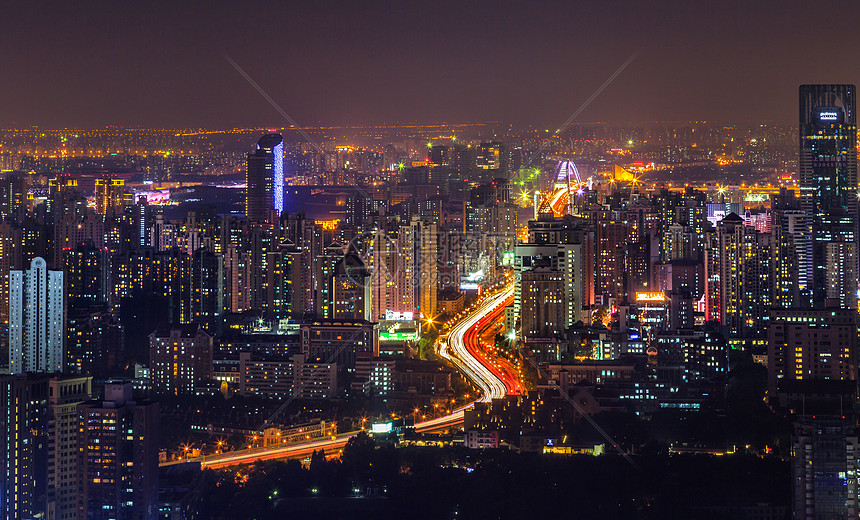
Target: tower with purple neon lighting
x,y
264,177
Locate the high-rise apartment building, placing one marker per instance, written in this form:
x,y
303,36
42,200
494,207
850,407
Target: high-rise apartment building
x,y
324,268
738,277
94,342
489,160
549,276
808,346
63,198
542,302
824,465
118,456
64,396
73,229
257,241
841,260
206,288
386,261
10,258
162,234
405,270
264,177
86,271
13,198
109,195
828,178
678,243
285,282
351,291
489,231
23,401
236,297
36,319
180,357
792,254
427,267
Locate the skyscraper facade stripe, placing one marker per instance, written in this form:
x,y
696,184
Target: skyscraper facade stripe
x,y
264,177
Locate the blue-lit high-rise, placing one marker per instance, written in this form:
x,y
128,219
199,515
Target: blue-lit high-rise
x,y
828,186
264,177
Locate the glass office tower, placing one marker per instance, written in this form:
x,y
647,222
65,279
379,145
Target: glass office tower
x,y
828,189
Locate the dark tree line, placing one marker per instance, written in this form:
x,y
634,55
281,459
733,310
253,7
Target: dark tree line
x,y
371,481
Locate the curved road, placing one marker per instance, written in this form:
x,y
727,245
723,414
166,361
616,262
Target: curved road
x,y
480,343
462,349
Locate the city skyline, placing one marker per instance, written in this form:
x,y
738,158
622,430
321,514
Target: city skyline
x,y
442,260
272,299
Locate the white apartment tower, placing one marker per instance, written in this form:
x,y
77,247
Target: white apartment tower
x,y
36,319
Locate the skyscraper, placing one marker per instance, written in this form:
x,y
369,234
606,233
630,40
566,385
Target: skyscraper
x,y
206,288
556,285
489,160
426,266
118,456
285,282
264,177
23,401
87,270
738,272
828,179
324,278
791,242
824,459
64,396
36,319
10,258
13,197
351,295
109,194
542,301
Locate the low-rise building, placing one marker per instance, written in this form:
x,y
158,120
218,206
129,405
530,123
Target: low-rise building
x,y
298,377
338,341
480,439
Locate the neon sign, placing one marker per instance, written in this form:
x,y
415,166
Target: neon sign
x,y
650,297
278,179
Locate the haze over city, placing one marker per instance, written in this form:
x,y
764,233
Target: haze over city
x,y
158,64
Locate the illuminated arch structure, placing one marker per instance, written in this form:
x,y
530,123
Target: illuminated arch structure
x,y
567,183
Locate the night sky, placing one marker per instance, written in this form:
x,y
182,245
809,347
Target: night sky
x,y
154,64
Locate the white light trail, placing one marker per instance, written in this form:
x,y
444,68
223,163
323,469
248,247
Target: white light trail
x,y
455,350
